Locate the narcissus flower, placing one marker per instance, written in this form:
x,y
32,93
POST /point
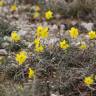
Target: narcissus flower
x,y
88,80
92,35
49,15
15,37
31,73
64,44
13,7
74,33
21,57
2,3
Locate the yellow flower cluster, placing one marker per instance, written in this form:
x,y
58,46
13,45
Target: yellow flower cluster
x,y
21,57
31,73
49,15
64,44
36,14
88,80
42,32
15,37
74,33
38,45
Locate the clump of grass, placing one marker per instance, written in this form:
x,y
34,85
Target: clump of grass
x,y
6,28
73,7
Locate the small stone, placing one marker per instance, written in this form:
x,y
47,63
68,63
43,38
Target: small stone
x,y
74,22
3,52
6,38
58,16
54,27
4,45
30,45
22,32
45,24
62,26
53,95
88,26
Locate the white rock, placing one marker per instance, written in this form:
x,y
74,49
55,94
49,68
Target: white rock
x,y
5,9
54,27
22,32
45,24
74,22
3,52
57,16
88,26
30,45
6,38
62,26
53,95
5,44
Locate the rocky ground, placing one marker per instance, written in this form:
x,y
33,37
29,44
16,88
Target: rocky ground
x,y
57,72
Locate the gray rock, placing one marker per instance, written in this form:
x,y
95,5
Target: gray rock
x,y
22,32
88,26
53,95
5,44
62,26
3,52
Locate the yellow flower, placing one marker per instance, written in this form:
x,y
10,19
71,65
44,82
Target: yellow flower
x,y
36,15
74,33
13,7
39,29
83,46
39,48
64,44
92,35
42,32
2,3
49,15
15,37
37,41
88,80
21,57
31,73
